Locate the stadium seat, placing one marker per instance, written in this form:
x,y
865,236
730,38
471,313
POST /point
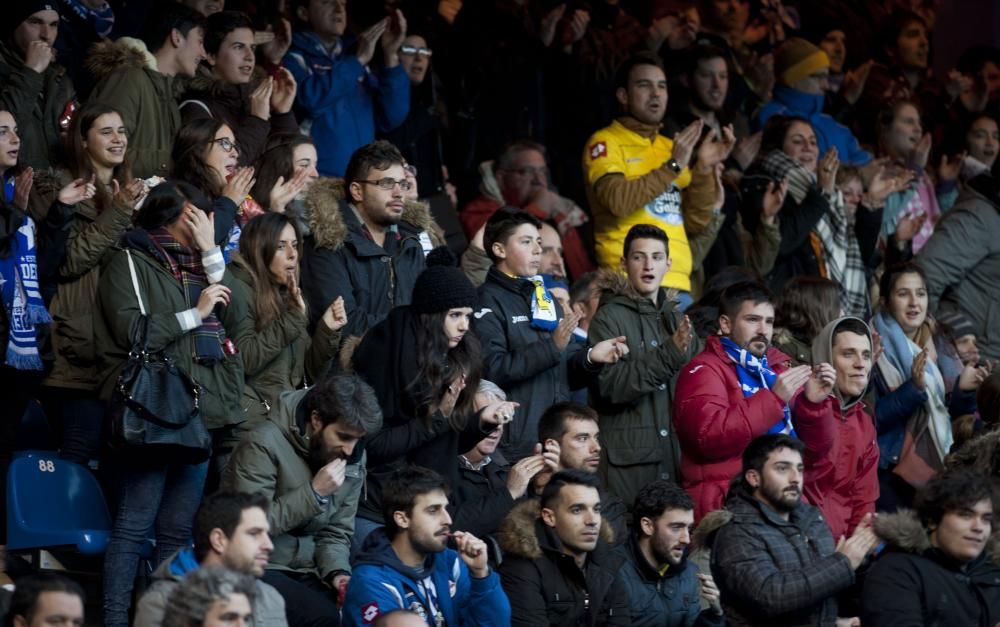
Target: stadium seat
x,y
52,503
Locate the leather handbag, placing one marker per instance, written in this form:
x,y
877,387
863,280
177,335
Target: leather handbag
x,y
155,413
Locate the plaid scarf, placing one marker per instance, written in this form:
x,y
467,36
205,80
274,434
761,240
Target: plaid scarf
x,y
22,300
777,165
842,257
754,374
185,265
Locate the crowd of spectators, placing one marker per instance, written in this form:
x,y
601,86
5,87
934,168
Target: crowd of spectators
x,y
526,312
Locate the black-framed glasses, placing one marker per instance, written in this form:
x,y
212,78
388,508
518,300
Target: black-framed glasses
x,y
423,52
226,144
388,184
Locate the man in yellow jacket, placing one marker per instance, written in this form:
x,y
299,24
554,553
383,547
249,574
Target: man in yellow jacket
x,y
637,176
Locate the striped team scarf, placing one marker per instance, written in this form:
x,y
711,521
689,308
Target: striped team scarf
x,y
22,299
184,264
754,374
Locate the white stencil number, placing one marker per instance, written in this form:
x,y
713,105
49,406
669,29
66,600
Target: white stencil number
x,y
46,465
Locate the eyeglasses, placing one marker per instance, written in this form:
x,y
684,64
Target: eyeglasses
x,y
388,184
530,171
423,52
226,144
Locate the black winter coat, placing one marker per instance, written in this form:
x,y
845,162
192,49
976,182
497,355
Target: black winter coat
x,y
546,587
913,583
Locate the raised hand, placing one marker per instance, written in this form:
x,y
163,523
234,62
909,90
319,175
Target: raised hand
x,y
684,142
335,316
715,149
130,195
710,592
826,172
367,40
854,82
547,30
521,473
609,351
820,383
77,191
329,478
239,185
948,169
862,542
260,99
908,226
275,49
292,281
918,371
473,552
577,27
499,413
201,226
564,331
210,297
283,91
972,376
746,149
791,381
39,56
392,37
285,192
682,336
22,187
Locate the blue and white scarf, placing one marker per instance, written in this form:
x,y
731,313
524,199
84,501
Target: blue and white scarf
x,y
22,299
102,19
754,374
543,306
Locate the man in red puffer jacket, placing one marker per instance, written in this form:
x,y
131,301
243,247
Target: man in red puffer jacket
x,y
729,394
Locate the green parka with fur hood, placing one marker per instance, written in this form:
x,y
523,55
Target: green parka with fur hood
x,y
634,396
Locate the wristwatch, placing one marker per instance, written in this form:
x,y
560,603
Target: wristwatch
x,y
673,165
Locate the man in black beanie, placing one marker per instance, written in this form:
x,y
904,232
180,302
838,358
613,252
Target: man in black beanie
x,y
36,90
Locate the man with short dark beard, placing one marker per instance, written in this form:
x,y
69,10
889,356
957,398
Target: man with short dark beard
x,y
663,586
773,557
308,460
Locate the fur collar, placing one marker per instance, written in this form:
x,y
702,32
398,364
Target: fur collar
x,y
330,229
710,523
981,454
612,283
904,531
108,56
517,535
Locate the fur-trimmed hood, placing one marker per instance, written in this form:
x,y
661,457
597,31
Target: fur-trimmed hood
x,y
710,523
981,454
518,534
108,56
325,214
904,531
613,283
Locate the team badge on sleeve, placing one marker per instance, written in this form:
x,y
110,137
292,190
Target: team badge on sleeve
x,y
598,150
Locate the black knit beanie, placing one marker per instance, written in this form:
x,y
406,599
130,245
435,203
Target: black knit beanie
x,y
20,10
442,286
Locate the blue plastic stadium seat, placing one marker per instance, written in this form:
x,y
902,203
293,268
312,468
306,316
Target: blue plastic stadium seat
x,y
52,502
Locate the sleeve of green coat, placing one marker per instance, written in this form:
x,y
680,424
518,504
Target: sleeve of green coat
x,y
322,350
121,309
761,248
253,469
475,264
89,240
639,372
259,348
333,542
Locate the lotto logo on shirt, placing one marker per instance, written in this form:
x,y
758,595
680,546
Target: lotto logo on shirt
x,y
369,612
667,207
598,150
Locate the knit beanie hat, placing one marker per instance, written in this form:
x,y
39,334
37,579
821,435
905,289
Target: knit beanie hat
x,y
797,59
957,323
442,286
20,10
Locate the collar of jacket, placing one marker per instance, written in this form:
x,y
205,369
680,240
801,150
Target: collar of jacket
x,y
649,131
799,101
614,285
646,570
520,535
235,96
517,286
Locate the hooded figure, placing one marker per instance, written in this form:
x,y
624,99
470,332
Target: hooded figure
x,y
843,471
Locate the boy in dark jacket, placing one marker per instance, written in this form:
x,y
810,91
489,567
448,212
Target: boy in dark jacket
x,y
526,340
559,569
408,566
633,395
941,567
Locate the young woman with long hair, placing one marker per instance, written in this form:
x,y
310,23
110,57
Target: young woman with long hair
x,y
424,363
278,353
806,305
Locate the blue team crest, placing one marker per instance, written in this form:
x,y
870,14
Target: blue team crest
x,y
667,207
